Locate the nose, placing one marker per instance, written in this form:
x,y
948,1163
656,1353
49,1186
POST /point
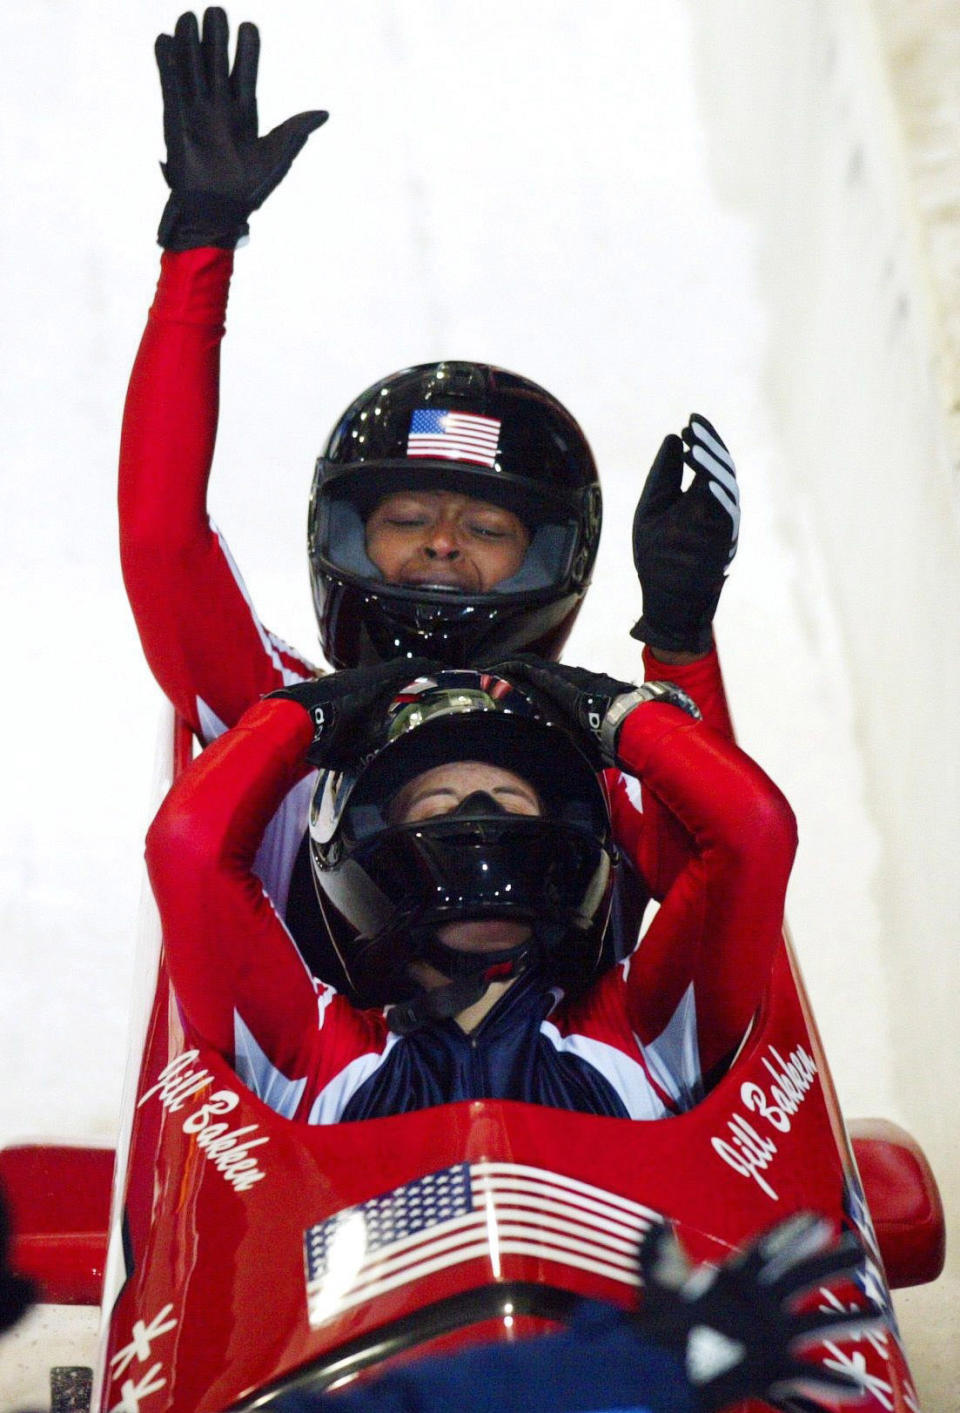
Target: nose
x,y
479,804
442,543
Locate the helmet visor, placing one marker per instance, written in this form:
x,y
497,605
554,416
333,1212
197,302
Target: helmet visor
x,y
506,866
359,804
432,532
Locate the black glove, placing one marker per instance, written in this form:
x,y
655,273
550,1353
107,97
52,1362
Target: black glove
x,y
584,698
684,541
735,1324
342,704
217,168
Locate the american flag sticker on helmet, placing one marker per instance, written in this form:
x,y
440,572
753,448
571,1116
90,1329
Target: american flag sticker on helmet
x,y
470,1211
453,436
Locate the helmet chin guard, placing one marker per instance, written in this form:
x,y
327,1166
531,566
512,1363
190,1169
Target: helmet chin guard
x,y
521,450
387,885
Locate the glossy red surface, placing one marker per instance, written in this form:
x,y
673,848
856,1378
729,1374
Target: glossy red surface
x,y
220,1262
59,1201
904,1201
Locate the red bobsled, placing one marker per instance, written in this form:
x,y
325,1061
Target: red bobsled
x,y
249,1253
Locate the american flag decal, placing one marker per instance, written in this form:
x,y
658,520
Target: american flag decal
x,y
453,436
487,1210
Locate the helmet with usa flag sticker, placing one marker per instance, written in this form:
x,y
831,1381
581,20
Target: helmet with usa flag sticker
x,y
490,484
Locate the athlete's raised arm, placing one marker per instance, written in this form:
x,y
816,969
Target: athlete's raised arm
x,y
722,916
202,638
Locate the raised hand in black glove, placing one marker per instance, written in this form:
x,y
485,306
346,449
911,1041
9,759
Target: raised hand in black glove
x,y
684,541
591,702
342,703
218,169
736,1325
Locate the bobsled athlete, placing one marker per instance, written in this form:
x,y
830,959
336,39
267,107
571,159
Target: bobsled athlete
x,y
704,1339
455,508
465,870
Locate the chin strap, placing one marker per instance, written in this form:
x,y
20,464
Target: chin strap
x,y
470,972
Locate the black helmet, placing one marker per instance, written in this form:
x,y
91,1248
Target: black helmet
x,y
478,431
386,886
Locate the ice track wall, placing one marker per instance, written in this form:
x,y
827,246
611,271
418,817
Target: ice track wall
x,y
853,177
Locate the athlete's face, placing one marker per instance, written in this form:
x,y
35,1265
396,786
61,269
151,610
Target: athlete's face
x,y
438,792
445,540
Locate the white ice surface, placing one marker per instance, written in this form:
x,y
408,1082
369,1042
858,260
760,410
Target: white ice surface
x,y
526,185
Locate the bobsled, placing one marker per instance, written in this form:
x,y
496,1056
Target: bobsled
x,y
250,1254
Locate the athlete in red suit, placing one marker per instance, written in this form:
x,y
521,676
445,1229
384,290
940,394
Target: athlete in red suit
x,y
637,1043
200,632
201,635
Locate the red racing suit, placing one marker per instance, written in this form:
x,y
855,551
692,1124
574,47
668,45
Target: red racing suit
x,y
202,638
636,1044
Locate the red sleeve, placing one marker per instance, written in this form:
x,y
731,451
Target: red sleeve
x,y
226,947
702,680
646,830
201,637
721,920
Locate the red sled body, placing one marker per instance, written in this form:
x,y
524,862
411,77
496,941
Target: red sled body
x,y
250,1253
